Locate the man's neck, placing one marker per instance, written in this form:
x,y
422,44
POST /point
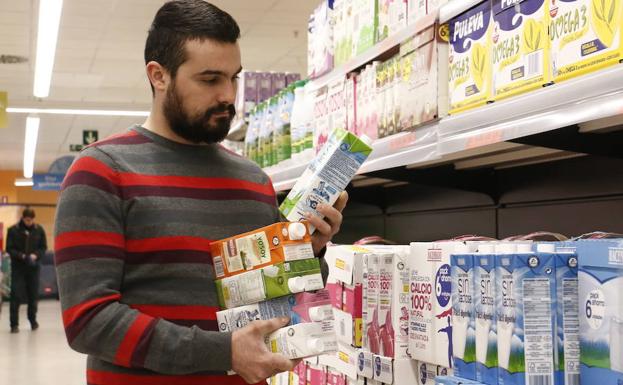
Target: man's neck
x,y
158,124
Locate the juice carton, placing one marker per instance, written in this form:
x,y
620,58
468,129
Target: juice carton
x,y
601,310
526,309
280,242
265,81
278,82
364,29
521,48
586,36
323,181
425,92
470,69
485,314
463,325
269,282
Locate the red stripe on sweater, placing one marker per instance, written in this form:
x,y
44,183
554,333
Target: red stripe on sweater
x,y
131,339
88,238
178,312
94,166
131,179
74,312
167,243
106,378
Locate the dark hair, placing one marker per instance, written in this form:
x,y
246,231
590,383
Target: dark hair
x,y
28,213
179,21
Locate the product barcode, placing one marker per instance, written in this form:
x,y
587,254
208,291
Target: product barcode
x,y
535,62
539,380
573,379
218,266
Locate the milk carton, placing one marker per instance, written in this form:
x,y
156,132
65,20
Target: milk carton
x,y
424,95
300,308
397,16
279,242
430,326
485,315
452,380
382,87
463,325
337,104
567,359
585,35
320,36
301,340
265,82
248,94
470,68
426,373
269,282
416,9
323,180
321,118
601,310
393,313
365,364
525,320
382,28
278,82
371,331
351,103
520,46
364,28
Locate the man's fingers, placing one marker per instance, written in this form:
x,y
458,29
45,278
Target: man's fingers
x,y
279,363
341,201
333,217
320,224
269,326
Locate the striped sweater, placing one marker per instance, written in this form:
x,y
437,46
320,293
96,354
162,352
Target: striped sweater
x,y
135,218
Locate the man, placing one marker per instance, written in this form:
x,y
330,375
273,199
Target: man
x,y
26,244
138,210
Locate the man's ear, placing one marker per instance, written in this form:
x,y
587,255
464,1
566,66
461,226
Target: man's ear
x,y
158,76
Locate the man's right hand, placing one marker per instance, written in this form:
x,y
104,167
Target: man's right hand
x,y
251,358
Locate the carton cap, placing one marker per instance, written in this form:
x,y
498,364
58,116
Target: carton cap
x,y
296,285
297,231
548,248
524,248
315,345
366,139
486,248
317,313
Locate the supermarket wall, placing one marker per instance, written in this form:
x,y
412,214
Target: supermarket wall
x,y
43,202
572,197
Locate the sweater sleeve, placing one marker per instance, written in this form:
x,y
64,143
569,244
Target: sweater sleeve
x,y
90,259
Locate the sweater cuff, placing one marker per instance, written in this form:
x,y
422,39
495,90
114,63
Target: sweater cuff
x,y
216,349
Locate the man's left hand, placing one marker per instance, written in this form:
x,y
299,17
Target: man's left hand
x,y
329,226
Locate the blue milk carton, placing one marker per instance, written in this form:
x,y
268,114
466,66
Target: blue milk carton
x,y
525,292
600,279
463,334
484,313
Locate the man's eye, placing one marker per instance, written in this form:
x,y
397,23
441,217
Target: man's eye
x,y
210,81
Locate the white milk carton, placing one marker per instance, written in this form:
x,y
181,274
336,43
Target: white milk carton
x,y
364,28
393,314
430,318
586,36
301,340
520,44
371,328
485,315
526,299
567,360
397,16
463,325
470,68
426,373
601,311
321,118
327,176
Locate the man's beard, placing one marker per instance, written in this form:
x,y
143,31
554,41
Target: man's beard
x,y
197,129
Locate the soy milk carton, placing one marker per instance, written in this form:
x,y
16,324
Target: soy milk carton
x,y
586,35
470,59
601,311
526,311
520,46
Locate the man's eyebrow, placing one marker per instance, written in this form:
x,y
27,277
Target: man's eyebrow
x,y
216,72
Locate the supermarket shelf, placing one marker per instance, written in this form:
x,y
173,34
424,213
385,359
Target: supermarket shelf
x,y
591,97
373,53
455,8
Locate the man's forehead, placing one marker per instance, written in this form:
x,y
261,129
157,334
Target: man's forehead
x,y
216,56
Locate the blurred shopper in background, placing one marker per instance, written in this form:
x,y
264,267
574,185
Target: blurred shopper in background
x,y
26,244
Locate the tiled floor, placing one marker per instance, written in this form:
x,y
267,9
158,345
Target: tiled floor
x,y
41,357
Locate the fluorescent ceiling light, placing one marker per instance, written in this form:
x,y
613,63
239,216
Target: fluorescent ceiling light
x,y
30,145
24,182
60,111
47,37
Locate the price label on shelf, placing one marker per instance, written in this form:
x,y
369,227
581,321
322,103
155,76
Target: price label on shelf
x,y
484,139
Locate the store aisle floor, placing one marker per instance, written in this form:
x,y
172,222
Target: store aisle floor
x,y
40,357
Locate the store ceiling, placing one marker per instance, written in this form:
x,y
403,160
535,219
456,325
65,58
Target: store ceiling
x,y
99,63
